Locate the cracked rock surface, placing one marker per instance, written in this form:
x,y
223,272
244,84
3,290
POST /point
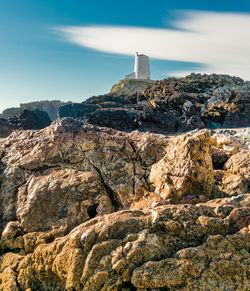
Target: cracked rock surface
x,y
90,208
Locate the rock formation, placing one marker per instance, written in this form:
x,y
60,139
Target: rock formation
x,y
92,208
26,119
170,105
131,86
186,168
167,106
51,107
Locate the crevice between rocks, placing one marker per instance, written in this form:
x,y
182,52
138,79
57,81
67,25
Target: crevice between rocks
x,y
110,192
144,166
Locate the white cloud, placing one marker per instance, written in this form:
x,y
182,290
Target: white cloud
x,y
221,41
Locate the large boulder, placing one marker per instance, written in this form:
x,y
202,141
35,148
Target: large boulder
x,y
186,167
239,164
48,166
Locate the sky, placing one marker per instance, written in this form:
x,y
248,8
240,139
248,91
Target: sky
x,y
70,50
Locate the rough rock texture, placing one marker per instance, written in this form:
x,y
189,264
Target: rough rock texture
x,y
167,106
26,119
239,164
186,167
5,128
176,105
82,208
179,247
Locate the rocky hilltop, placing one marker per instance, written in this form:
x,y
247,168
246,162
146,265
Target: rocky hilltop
x,y
131,86
85,207
171,105
167,106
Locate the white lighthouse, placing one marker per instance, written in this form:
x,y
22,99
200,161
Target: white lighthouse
x,y
141,69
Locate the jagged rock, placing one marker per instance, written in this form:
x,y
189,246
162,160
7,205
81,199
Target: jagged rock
x,y
230,184
239,164
238,108
186,167
228,143
5,128
219,157
169,246
196,101
24,120
191,123
244,136
65,224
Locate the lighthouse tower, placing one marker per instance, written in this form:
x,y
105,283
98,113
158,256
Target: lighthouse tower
x,y
141,69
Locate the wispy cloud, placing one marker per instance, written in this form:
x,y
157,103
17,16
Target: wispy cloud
x,y
221,41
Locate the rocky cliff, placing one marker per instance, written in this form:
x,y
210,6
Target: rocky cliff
x,y
93,208
50,107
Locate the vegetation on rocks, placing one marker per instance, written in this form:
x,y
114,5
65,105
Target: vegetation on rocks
x,y
128,86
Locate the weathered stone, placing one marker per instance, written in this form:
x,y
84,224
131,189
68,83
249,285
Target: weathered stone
x,y
219,157
228,143
131,248
239,164
230,184
65,225
26,119
186,167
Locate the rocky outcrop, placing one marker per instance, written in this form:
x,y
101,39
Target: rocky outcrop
x,y
92,208
50,107
65,144
10,112
5,128
167,106
171,105
24,120
178,247
186,167
131,86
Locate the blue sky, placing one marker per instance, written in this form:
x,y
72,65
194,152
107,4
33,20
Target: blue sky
x,y
74,49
